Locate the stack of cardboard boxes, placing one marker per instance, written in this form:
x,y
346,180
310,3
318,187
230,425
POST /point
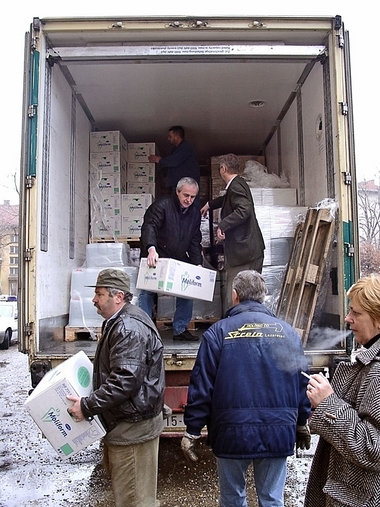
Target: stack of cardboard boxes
x,y
108,171
122,185
140,188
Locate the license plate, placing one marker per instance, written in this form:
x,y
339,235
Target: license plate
x,y
175,421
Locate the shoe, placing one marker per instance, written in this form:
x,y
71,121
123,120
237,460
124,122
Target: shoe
x,y
186,336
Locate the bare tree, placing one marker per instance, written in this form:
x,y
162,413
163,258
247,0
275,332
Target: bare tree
x,y
369,259
369,214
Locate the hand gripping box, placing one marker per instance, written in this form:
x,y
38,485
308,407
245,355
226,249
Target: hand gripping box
x,y
177,279
48,406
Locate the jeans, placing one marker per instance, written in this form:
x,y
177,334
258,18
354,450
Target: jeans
x,y
133,470
183,310
270,475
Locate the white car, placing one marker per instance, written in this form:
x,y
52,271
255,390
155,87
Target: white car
x,y
8,323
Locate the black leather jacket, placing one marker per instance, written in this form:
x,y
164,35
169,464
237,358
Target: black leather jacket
x,y
174,234
129,377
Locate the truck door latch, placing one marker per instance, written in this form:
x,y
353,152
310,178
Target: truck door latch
x,y
350,250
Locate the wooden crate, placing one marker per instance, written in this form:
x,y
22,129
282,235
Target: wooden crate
x,y
303,277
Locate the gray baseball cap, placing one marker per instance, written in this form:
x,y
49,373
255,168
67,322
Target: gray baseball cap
x,y
113,278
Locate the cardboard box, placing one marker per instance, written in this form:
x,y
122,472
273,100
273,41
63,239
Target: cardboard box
x,y
106,141
108,205
139,152
105,184
177,278
48,406
131,226
108,162
134,187
135,205
143,173
106,226
274,196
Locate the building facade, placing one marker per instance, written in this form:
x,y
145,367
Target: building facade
x,y
9,248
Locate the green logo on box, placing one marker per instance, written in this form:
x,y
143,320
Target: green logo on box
x,y
67,449
84,377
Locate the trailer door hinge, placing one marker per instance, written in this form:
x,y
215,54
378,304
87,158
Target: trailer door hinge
x,y
340,41
28,254
29,181
344,108
32,110
347,178
28,329
350,250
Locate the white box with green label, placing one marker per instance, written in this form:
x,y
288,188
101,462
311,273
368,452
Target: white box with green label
x,y
177,278
48,406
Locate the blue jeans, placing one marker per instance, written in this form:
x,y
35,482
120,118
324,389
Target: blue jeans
x,y
270,475
183,310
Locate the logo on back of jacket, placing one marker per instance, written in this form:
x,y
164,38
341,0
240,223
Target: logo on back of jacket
x,y
186,281
257,330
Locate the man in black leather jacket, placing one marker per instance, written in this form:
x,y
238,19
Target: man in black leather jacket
x,y
171,229
128,392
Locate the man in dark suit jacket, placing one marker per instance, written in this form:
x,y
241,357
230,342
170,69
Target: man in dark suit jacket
x,y
243,241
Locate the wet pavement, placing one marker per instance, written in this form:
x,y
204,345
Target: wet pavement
x,y
32,474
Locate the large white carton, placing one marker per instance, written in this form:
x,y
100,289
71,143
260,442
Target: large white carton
x,y
274,196
135,205
131,226
106,141
177,279
48,406
136,187
139,152
143,172
108,162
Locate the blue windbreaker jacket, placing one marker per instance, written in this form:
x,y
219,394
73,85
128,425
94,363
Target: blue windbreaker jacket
x,y
246,385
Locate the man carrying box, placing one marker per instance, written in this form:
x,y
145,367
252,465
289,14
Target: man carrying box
x,y
171,229
128,383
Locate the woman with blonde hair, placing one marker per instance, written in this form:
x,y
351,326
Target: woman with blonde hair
x,y
346,466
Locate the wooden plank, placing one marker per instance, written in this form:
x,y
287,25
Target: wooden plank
x,y
162,324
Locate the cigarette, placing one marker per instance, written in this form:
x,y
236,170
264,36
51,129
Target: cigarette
x,y
305,375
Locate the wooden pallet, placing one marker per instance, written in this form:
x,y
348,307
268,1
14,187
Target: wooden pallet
x,y
305,270
162,324
79,333
118,239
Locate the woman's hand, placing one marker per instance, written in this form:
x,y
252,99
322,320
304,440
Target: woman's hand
x,y
318,389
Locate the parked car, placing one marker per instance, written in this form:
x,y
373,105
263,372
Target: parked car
x,y
8,323
8,297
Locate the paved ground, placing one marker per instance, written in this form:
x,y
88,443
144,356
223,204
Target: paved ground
x,y
32,474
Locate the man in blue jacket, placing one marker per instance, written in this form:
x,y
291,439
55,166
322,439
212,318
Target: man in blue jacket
x,y
246,387
181,162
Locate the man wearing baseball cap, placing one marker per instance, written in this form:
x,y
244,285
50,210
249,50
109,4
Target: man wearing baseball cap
x,y
128,392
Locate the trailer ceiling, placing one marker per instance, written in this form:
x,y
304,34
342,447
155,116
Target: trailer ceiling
x,y
211,100
210,96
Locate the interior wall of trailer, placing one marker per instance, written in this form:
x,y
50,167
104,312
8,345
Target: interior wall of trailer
x,y
301,156
55,265
314,142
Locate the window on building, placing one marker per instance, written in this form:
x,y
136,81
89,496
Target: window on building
x,y
13,271
13,260
13,249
